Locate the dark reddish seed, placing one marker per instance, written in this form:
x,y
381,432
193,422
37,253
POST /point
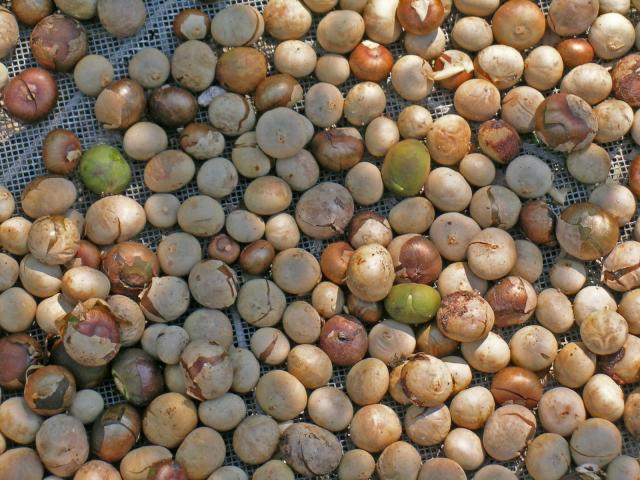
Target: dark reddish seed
x,y
575,51
61,151
31,95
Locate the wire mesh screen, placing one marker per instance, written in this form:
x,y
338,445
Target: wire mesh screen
x,y
21,161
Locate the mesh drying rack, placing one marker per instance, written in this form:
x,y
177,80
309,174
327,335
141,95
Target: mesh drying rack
x,y
21,161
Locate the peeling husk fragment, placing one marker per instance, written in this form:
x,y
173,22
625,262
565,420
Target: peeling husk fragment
x,y
621,268
565,123
208,370
90,333
586,231
513,301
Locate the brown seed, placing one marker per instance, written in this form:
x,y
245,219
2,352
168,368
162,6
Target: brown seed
x,y
586,231
256,257
626,81
519,24
281,90
634,176
310,450
201,141
121,104
137,376
344,339
513,301
223,248
565,122
415,259
130,267
115,433
31,95
167,470
61,151
338,148
49,390
624,365
575,51
455,67
58,42
420,17
31,12
371,62
499,140
90,333
191,24
18,352
241,69
334,261
172,107
516,385
537,222
87,255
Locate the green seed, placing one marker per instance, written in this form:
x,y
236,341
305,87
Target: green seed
x,y
104,170
412,303
406,167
